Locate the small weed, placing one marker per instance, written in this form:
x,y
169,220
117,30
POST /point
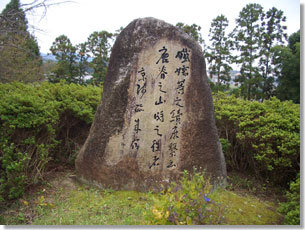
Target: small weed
x,y
2,220
186,202
21,217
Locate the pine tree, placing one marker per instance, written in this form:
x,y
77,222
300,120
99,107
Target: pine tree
x,y
273,34
66,67
82,61
248,41
19,52
192,30
99,47
218,55
13,19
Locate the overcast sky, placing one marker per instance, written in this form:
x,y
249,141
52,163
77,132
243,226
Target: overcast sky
x,y
78,19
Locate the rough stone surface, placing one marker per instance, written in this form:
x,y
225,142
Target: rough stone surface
x,y
156,116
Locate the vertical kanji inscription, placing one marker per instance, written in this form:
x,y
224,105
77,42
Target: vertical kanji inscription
x,y
161,84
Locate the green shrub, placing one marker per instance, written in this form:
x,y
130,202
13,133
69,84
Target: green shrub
x,y
38,125
225,144
45,123
263,137
186,202
291,209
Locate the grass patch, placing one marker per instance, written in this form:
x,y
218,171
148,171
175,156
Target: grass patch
x,y
90,206
63,201
246,210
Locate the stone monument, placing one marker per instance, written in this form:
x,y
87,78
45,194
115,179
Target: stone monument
x,y
156,116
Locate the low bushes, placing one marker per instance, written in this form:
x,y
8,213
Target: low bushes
x,y
40,124
262,138
291,208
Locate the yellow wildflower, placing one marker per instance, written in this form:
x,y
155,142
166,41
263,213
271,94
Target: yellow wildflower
x,y
157,213
25,203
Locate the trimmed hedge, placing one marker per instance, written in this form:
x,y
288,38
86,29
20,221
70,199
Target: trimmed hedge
x,y
39,124
44,125
260,137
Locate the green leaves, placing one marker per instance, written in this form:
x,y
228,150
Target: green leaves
x,y
192,30
219,54
291,208
32,120
264,137
99,46
75,62
248,40
255,34
287,69
186,203
19,54
66,67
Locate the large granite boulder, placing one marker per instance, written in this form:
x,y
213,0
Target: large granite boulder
x,y
156,116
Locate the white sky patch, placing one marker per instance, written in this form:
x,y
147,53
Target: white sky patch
x,y
80,18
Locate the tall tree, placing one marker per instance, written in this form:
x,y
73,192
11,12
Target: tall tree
x,y
19,52
287,69
99,47
82,61
66,57
13,19
273,34
218,54
248,40
8,20
293,40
